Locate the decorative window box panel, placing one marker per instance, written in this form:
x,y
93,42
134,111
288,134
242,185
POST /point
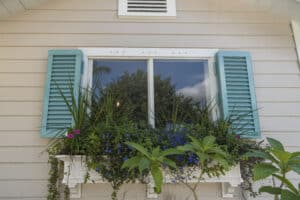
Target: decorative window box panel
x,y
75,171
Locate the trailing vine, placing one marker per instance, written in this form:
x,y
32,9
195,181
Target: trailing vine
x,y
55,174
53,181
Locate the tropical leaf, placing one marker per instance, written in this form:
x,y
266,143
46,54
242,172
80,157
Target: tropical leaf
x,y
264,170
295,166
282,156
170,151
223,162
156,152
186,148
157,177
131,163
270,190
261,154
208,142
275,144
288,195
170,163
143,164
140,148
286,182
218,151
295,155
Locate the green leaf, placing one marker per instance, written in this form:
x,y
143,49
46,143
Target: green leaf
x,y
171,151
186,148
286,182
157,177
282,156
275,144
295,155
170,163
156,152
295,167
263,170
270,190
131,163
218,151
208,142
288,195
143,164
261,154
202,156
223,162
140,148
196,143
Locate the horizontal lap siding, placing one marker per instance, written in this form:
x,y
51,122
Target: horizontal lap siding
x,y
60,24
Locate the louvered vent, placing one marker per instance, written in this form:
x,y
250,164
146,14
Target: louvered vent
x,y
159,6
147,8
239,97
64,71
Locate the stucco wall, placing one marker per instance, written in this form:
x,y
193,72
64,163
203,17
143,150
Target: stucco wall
x,y
224,24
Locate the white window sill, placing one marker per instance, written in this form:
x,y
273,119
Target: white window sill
x,y
75,171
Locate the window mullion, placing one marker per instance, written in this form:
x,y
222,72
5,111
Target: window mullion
x,y
151,109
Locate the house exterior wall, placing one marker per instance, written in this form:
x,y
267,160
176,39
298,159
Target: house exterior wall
x,y
60,24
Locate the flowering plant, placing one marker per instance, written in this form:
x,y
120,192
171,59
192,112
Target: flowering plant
x,y
111,137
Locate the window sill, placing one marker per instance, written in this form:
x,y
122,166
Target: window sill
x,y
75,171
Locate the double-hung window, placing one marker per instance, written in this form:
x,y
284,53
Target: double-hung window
x,y
153,81
152,86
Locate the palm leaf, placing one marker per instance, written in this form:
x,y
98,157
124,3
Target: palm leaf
x,y
139,148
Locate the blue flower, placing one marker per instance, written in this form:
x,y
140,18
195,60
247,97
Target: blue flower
x,y
192,159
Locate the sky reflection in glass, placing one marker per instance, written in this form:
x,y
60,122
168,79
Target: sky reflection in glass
x,y
107,71
188,76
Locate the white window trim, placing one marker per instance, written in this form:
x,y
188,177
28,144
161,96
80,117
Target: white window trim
x,y
150,54
123,13
296,32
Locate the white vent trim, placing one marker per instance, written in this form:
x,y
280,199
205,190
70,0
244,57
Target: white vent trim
x,y
147,8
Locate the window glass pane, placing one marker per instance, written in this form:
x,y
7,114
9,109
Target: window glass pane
x,y
125,83
180,87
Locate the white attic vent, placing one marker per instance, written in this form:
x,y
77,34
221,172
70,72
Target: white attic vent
x,y
146,8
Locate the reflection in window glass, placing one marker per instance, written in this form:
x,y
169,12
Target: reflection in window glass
x,y
124,82
180,85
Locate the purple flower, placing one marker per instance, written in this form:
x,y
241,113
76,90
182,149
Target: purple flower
x,y
70,136
238,137
76,132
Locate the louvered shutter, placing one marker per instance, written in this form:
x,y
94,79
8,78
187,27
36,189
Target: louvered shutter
x,y
147,8
63,70
237,94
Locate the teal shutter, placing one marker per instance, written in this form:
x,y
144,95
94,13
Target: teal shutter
x,y
237,94
63,69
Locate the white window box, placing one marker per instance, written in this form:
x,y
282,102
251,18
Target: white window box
x,y
75,171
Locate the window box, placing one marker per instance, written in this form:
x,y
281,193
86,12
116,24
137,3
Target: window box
x,y
75,171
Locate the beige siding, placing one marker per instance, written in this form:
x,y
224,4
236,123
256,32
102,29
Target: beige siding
x,y
224,24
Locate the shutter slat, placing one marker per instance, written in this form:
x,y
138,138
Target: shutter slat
x,y
63,73
237,93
